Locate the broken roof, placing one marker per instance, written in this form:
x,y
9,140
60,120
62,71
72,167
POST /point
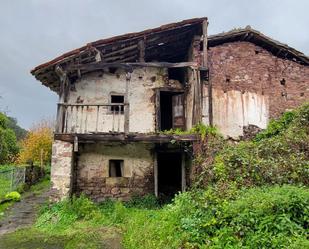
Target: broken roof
x,y
167,43
161,44
251,35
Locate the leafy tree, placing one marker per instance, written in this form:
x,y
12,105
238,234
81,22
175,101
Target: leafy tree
x,y
38,144
8,143
19,132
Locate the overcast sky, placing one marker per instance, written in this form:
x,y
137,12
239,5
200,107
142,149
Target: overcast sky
x,y
35,31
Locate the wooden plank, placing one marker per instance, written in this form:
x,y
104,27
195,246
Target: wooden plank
x,y
155,174
128,65
158,111
122,137
99,104
141,49
183,172
127,107
205,44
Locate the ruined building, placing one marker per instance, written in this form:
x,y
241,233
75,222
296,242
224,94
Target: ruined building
x,y
117,95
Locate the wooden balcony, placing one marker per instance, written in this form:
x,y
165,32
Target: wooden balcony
x,y
91,118
89,123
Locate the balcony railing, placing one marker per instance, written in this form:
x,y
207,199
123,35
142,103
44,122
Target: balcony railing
x,y
91,118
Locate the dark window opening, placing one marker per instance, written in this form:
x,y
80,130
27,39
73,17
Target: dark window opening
x,y
115,168
177,74
169,174
171,110
117,99
166,108
112,70
282,82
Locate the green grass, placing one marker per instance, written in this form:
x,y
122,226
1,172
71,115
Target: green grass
x,y
262,217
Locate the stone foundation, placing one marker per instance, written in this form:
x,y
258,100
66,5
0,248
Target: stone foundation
x,y
61,170
92,171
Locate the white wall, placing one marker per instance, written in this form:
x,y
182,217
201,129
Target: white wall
x,y
232,110
95,88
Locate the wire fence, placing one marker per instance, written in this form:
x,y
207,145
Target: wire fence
x,y
11,179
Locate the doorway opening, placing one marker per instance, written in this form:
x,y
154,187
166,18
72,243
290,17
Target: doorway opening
x,y
170,174
166,106
171,110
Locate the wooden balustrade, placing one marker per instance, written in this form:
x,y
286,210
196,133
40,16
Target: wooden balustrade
x,y
91,118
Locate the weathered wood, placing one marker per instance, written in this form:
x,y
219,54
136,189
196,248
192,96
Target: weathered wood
x,y
131,137
98,104
158,111
141,49
183,172
205,64
155,174
102,65
127,107
75,143
205,44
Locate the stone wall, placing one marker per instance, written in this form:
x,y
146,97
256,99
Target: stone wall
x,y
92,170
97,87
250,86
61,170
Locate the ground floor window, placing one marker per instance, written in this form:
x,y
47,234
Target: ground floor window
x,y
115,168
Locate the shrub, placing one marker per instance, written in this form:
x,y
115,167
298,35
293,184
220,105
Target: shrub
x,y
278,155
63,214
13,196
269,217
148,202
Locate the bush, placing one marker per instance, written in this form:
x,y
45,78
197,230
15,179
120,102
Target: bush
x,y
63,214
272,217
278,155
13,196
148,202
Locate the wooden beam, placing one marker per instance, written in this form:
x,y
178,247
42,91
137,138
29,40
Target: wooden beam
x,y
141,49
128,65
122,137
127,107
205,64
205,44
155,174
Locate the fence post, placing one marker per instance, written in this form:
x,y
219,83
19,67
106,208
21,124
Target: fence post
x,y
12,179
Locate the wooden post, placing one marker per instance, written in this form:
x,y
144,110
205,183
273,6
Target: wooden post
x,y
205,44
155,174
183,173
41,158
127,106
158,111
75,144
141,48
205,64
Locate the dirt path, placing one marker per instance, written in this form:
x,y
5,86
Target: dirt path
x,y
23,213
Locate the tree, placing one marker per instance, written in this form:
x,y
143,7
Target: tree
x,y
8,143
19,132
37,145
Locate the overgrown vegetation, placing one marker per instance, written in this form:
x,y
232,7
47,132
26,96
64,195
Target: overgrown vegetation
x,y
253,194
278,155
37,145
8,142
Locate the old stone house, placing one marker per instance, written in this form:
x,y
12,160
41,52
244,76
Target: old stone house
x,y
116,95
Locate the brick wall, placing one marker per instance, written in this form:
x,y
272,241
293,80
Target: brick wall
x,y
242,66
